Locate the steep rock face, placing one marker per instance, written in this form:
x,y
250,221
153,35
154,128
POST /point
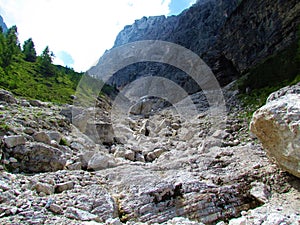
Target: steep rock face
x,y
2,24
196,29
150,28
230,36
258,29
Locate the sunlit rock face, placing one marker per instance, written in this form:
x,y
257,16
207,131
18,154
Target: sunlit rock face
x,y
230,36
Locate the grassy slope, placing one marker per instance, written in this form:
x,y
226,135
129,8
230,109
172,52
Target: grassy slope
x,y
23,79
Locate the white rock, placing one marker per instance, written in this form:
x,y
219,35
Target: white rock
x,y
113,221
275,219
182,221
12,160
130,155
4,186
100,161
238,221
220,134
277,125
78,214
260,191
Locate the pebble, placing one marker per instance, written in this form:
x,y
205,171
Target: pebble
x,y
56,209
64,186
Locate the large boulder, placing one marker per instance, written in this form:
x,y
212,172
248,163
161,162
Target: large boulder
x,y
35,158
99,162
100,132
277,126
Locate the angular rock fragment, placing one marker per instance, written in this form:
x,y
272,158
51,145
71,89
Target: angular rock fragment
x,y
64,186
13,141
42,137
78,214
56,209
99,162
44,188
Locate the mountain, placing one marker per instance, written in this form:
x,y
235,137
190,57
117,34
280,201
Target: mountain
x,y
98,161
2,24
258,29
230,36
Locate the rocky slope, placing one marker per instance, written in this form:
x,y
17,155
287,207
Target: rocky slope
x,y
230,36
168,170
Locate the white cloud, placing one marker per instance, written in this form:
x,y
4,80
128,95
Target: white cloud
x,y
83,28
191,2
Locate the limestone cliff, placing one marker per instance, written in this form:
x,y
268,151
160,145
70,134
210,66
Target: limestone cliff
x,y
230,36
196,29
258,29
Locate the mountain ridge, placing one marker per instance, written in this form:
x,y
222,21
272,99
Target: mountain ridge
x,y
2,24
211,30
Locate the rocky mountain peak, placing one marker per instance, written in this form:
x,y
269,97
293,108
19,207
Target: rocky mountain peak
x,y
204,18
146,26
230,36
196,29
2,24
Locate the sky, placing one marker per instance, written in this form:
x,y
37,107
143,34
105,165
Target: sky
x,y
79,31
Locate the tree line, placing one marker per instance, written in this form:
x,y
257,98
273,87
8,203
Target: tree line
x,y
11,51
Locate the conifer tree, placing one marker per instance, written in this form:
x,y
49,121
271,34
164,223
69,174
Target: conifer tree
x,y
2,47
29,51
12,46
45,62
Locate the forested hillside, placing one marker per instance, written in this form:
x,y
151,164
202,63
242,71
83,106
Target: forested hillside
x,y
27,74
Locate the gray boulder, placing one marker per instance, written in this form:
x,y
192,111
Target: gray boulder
x,y
42,137
100,132
13,141
100,161
6,96
36,158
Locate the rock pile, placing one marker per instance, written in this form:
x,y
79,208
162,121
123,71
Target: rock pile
x,y
162,170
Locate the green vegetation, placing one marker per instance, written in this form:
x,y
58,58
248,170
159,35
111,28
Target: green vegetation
x,y
26,74
275,72
63,142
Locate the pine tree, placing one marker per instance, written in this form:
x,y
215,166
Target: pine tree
x,y
29,51
12,46
45,62
2,47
